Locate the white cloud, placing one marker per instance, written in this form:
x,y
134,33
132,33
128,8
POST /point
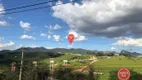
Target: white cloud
x,y
3,23
5,45
121,38
25,25
18,46
113,48
49,47
50,32
81,38
48,36
27,37
21,45
107,18
77,36
51,28
56,37
43,34
69,46
32,46
56,27
129,42
1,38
59,2
2,8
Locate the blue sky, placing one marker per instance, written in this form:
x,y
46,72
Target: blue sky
x,y
95,27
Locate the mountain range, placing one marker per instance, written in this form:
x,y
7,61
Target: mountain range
x,y
64,50
131,53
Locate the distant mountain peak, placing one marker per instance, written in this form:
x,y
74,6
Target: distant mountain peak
x,y
128,52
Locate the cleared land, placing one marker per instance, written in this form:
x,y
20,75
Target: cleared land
x,y
105,65
102,65
73,60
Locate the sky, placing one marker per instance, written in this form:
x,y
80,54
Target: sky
x,y
106,25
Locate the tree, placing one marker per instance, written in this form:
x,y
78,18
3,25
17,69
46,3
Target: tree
x,y
76,76
30,72
91,74
61,72
100,54
110,54
68,74
8,75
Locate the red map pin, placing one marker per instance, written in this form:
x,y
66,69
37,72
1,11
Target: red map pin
x,y
70,38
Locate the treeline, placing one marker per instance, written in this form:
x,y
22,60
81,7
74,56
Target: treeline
x,y
126,55
42,72
100,53
8,57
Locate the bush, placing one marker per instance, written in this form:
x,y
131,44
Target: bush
x,y
61,72
91,75
75,76
68,74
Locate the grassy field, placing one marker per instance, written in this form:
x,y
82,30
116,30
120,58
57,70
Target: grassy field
x,y
70,57
104,64
107,64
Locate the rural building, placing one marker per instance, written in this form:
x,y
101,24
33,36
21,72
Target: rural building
x,y
116,54
60,53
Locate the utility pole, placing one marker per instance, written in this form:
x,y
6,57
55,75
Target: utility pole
x,y
21,66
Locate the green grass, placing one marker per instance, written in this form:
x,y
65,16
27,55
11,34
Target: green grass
x,y
4,67
78,63
105,65
69,57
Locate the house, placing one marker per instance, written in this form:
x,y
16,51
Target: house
x,y
140,56
116,54
34,63
60,53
